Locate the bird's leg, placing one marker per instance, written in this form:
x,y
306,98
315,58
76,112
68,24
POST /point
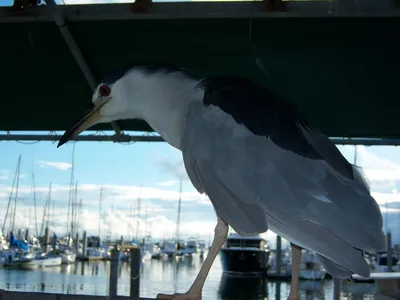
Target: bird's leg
x,y
194,293
294,287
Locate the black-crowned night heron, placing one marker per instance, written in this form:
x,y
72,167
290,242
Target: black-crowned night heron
x,y
259,161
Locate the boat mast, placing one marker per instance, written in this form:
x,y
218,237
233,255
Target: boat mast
x,y
11,194
178,220
74,209
48,211
130,222
16,193
71,184
138,215
33,195
100,209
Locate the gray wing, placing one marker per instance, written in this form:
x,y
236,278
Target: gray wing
x,y
252,182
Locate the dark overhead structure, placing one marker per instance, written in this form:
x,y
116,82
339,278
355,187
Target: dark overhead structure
x,y
340,64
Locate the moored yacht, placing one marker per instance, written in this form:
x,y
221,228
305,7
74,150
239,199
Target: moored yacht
x,y
245,255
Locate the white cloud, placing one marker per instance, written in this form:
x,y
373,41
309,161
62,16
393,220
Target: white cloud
x,y
159,219
55,164
168,183
383,198
161,215
4,174
378,168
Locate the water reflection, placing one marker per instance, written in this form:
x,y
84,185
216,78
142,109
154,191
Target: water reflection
x,y
242,288
169,276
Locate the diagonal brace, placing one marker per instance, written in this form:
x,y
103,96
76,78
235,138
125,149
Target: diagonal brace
x,y
60,20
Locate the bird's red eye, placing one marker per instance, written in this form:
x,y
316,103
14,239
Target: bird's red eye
x,y
104,90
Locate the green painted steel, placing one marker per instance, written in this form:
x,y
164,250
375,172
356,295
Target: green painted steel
x,y
343,73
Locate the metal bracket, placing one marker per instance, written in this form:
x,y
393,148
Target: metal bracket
x,y
127,138
141,6
24,5
275,5
61,22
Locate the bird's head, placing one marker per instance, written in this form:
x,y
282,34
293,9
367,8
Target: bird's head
x,y
106,108
146,92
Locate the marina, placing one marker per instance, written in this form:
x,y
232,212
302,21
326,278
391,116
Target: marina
x,y
91,278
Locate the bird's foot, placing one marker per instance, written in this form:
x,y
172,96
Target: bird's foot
x,y
291,297
186,296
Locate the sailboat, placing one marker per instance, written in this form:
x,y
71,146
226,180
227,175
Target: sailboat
x,y
174,247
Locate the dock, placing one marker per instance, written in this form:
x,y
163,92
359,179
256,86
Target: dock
x,y
378,276
387,284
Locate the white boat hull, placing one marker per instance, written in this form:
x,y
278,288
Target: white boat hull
x,y
312,274
42,263
68,258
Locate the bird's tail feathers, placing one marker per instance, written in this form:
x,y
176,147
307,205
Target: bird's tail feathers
x,y
333,268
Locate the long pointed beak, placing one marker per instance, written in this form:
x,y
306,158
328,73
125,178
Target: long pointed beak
x,y
90,118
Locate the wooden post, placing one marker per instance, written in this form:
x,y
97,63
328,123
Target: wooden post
x,y
114,273
136,260
389,251
278,255
54,241
76,242
336,288
46,239
84,246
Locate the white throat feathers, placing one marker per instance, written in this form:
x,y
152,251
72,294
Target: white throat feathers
x,y
160,98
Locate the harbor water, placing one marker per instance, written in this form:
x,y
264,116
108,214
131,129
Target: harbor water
x,y
168,276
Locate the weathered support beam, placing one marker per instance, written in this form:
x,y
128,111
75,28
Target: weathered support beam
x,y
210,10
126,138
61,22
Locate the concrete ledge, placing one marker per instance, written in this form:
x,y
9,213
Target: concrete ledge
x,y
10,295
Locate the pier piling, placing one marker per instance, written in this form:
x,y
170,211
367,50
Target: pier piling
x,y
114,273
135,273
76,242
46,239
336,288
278,257
84,244
389,251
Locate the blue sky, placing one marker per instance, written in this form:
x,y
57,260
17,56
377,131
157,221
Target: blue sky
x,y
121,170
